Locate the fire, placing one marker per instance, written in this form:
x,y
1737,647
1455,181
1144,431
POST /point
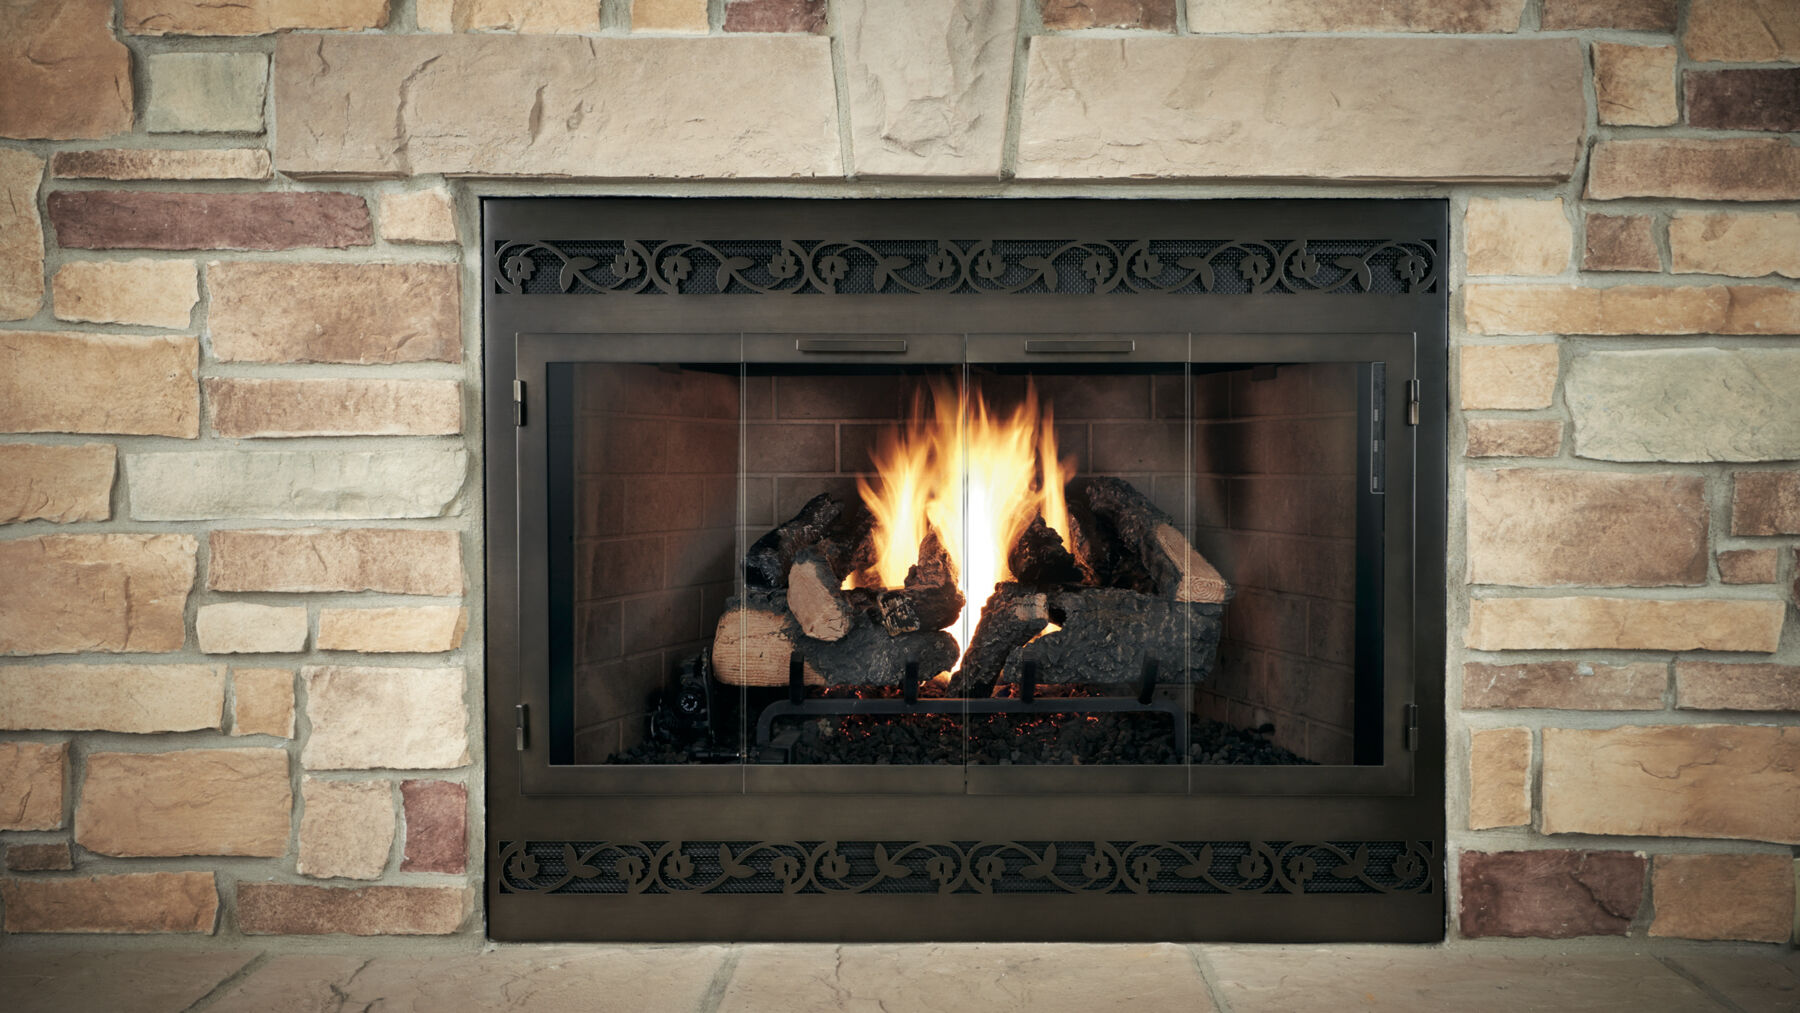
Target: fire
x,y
975,475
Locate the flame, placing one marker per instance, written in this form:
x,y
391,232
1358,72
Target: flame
x,y
975,475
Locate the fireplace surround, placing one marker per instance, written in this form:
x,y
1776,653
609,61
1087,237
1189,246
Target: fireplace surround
x,y
668,381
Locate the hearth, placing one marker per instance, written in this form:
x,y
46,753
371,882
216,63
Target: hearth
x,y
960,569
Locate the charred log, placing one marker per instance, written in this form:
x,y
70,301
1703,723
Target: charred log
x,y
766,564
1108,633
1013,615
929,599
1039,557
759,634
1152,540
1105,560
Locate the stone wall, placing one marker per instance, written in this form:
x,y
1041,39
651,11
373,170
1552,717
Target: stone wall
x,y
238,364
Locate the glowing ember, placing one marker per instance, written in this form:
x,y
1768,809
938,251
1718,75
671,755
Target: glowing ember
x,y
976,476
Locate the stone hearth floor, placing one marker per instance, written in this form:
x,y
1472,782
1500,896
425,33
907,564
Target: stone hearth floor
x,y
1049,978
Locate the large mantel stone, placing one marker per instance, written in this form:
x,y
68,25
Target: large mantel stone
x,y
535,105
1302,108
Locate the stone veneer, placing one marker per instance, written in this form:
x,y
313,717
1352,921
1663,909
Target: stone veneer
x,y
243,613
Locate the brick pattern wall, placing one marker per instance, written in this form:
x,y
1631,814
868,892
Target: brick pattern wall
x,y
236,377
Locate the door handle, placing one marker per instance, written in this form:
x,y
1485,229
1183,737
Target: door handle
x,y
1055,346
862,345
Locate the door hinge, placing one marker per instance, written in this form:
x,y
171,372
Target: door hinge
x,y
1409,727
518,402
521,718
1412,402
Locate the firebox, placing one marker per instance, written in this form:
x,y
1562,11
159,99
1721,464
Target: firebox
x,y
965,569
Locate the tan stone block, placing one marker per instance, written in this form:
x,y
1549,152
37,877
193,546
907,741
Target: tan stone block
x,y
1565,685
1624,15
103,383
1302,108
262,702
1354,16
31,785
1515,437
246,628
423,630
346,828
242,407
139,699
923,101
1765,502
1539,527
395,561
1624,624
359,313
669,16
1694,169
524,16
165,163
188,802
1635,85
206,92
60,484
1686,404
66,594
1499,778
1747,897
1509,376
298,485
139,903
1728,686
1620,243
605,106
283,909
21,234
1748,566
1631,309
251,17
385,718
154,293
1743,31
418,216
62,73
1517,236
1732,781
39,857
1740,244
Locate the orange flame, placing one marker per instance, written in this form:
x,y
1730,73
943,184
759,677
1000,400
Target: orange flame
x,y
974,475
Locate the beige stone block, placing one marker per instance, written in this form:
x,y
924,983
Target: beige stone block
x,y
358,313
1736,686
60,484
1231,16
1748,566
188,802
140,699
136,903
1743,31
21,234
1302,108
1565,685
262,702
298,485
66,594
251,17
1729,781
62,73
1686,404
164,163
395,561
1499,778
154,293
687,16
1542,527
1742,169
385,718
604,106
346,828
1631,309
202,93
1513,236
418,216
524,16
104,383
928,83
1747,897
1509,376
247,628
1515,437
1624,624
31,785
296,910
1748,244
428,629
240,407
1635,85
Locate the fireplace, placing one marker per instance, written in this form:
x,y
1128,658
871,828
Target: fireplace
x,y
965,569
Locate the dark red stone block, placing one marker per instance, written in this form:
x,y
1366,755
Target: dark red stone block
x,y
775,16
1550,894
1761,99
437,826
141,220
1067,15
